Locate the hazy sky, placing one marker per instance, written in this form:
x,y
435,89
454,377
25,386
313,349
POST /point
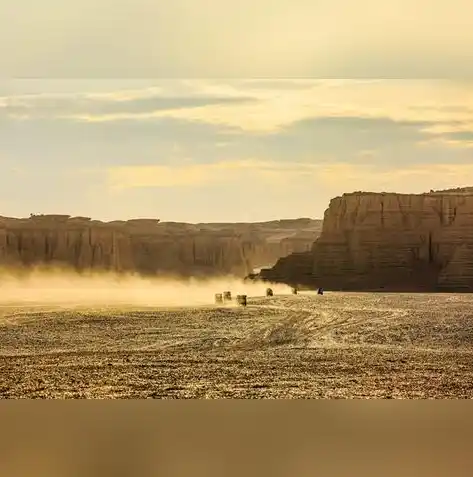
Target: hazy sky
x,y
239,38
211,150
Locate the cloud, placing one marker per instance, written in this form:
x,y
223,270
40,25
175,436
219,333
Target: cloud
x,y
457,135
414,179
111,106
192,174
343,139
280,84
338,177
58,144
406,122
272,110
260,107
287,145
446,142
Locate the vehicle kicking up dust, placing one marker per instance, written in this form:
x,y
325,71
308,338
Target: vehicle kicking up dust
x,y
103,336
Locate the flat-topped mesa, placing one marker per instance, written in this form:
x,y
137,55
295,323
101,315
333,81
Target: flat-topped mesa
x,y
394,211
390,241
149,246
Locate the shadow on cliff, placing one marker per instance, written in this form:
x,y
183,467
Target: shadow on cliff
x,y
62,287
388,242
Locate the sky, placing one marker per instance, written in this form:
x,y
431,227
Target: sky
x,y
235,150
203,111
236,38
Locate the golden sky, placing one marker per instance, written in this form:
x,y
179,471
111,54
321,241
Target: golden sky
x,y
109,106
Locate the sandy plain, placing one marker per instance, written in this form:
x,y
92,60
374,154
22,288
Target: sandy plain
x,y
339,345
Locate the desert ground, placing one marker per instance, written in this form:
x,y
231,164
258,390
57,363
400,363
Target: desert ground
x,y
339,345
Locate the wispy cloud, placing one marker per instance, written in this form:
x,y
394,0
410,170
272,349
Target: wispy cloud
x,y
266,110
192,174
113,106
146,142
410,179
336,176
261,106
447,142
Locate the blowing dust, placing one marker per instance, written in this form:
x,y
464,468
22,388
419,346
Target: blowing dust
x,y
59,287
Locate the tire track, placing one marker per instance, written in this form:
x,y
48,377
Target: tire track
x,y
318,325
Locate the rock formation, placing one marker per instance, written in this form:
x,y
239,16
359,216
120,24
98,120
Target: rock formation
x,y
148,246
398,242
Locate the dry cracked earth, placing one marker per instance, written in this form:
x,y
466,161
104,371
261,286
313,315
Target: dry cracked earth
x,y
339,345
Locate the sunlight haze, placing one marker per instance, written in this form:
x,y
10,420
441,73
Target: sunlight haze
x,y
226,150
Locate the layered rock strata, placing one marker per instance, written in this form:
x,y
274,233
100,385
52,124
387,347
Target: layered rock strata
x,y
148,246
388,241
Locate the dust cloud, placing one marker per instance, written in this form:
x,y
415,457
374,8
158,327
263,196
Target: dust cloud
x,y
62,287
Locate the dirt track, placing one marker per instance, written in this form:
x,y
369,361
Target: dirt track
x,y
305,346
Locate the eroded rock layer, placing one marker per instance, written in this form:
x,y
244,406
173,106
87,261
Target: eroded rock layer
x,y
371,241
149,246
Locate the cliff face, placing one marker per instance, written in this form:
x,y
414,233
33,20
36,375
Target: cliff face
x,y
149,246
389,241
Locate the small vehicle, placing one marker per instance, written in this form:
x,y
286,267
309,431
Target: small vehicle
x,y
269,292
320,291
241,300
294,291
218,298
227,296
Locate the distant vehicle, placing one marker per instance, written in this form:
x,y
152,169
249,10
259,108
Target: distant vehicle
x,y
227,296
320,291
269,292
241,300
294,291
218,298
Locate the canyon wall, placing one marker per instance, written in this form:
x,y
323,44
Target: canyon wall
x,y
148,246
398,242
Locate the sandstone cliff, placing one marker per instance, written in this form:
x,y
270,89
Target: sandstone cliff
x,y
389,241
149,246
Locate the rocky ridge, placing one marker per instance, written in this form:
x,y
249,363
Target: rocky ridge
x,y
148,246
389,241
